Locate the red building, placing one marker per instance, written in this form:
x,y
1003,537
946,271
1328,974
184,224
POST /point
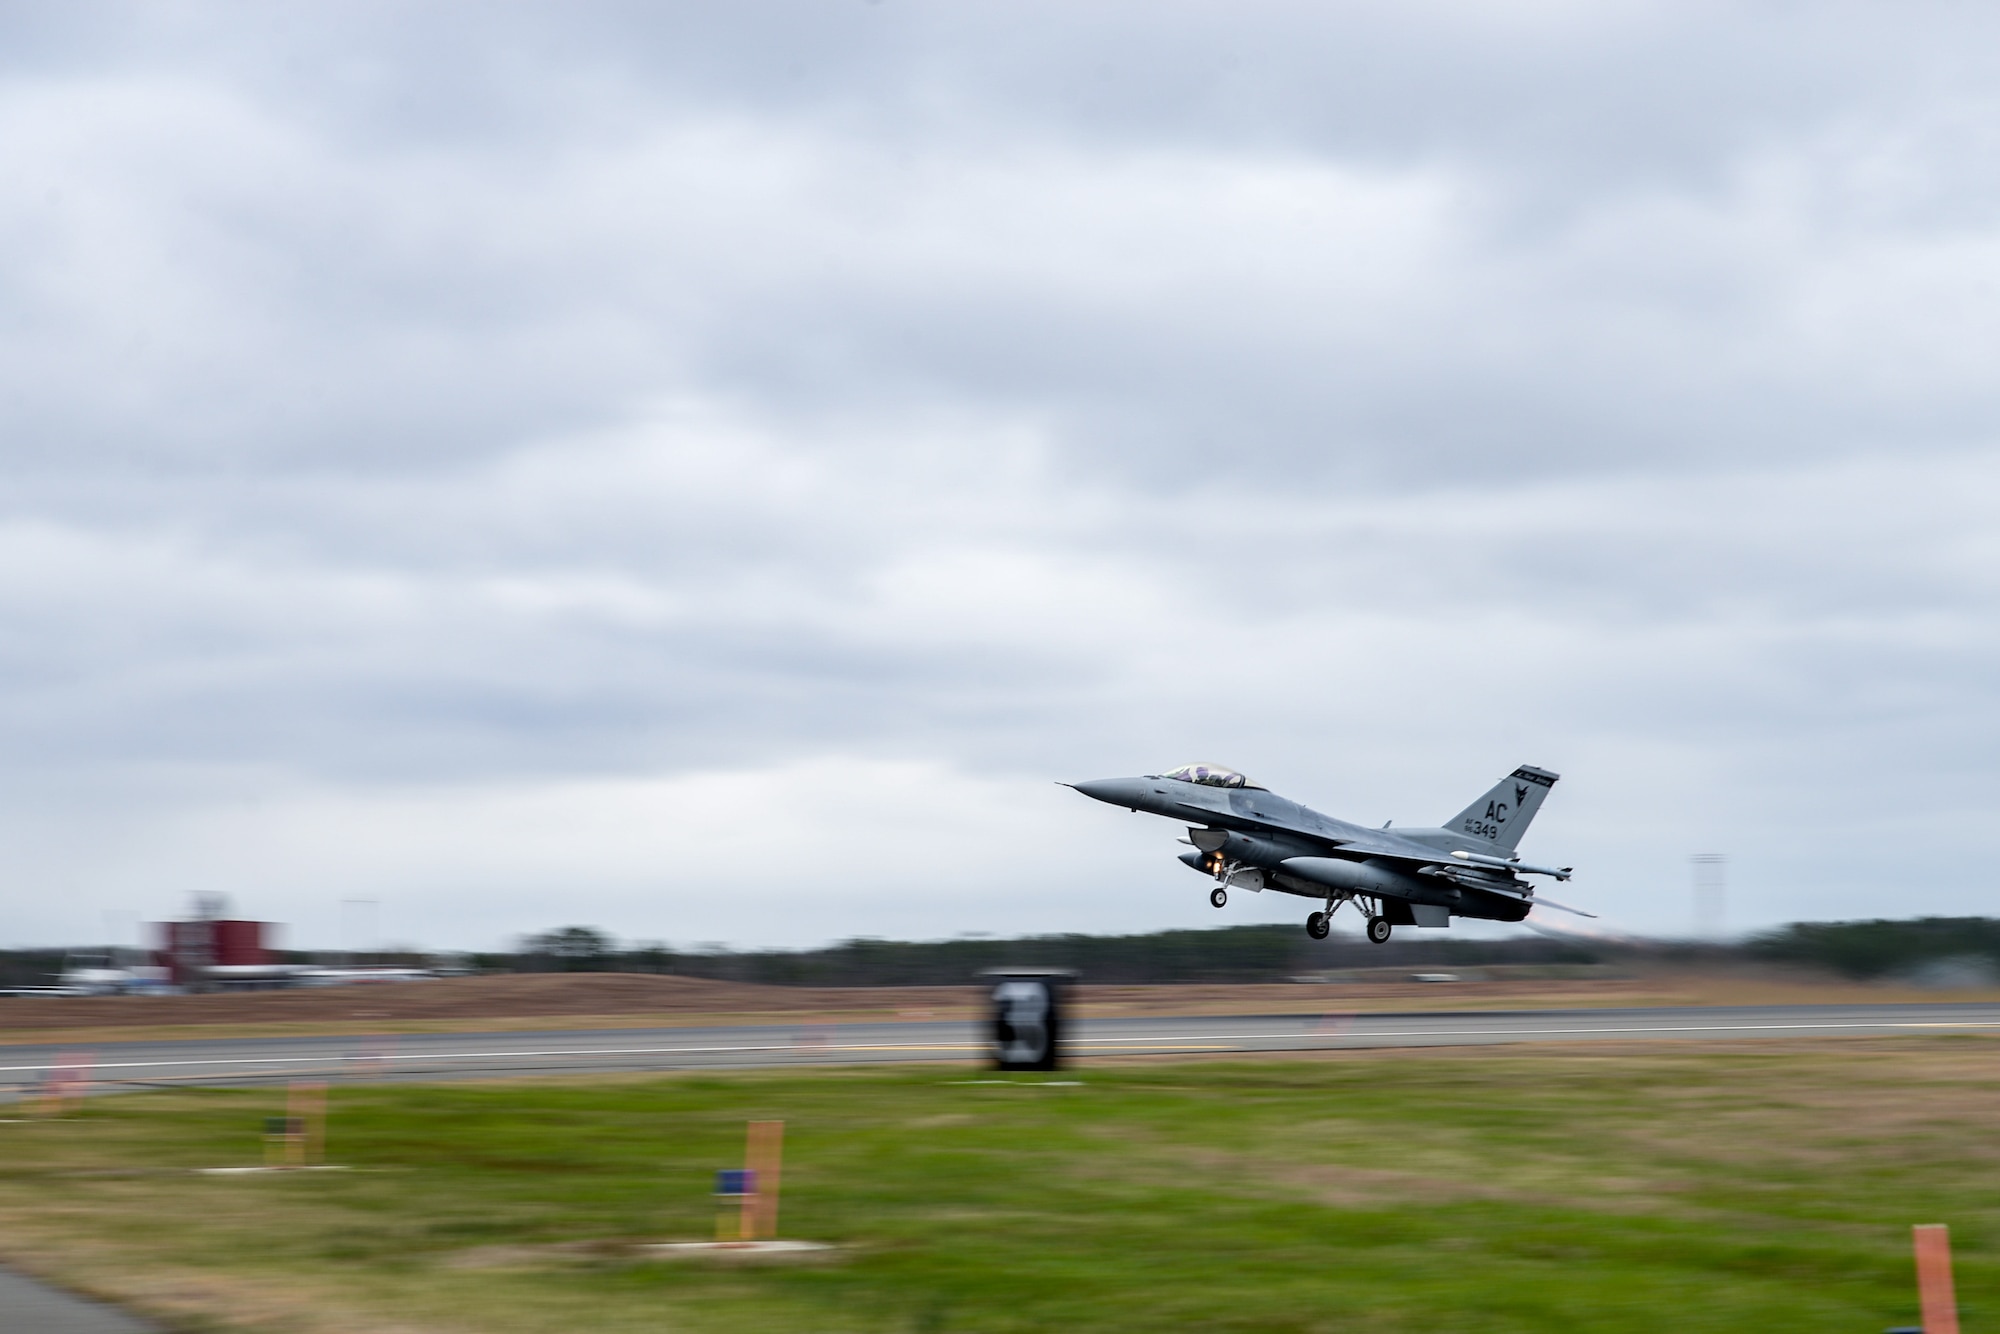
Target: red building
x,y
189,949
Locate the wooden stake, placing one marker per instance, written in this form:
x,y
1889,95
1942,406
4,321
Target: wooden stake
x,y
48,1102
79,1074
65,1081
762,1155
306,1105
1940,1306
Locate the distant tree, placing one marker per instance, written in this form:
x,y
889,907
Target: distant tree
x,y
1269,953
649,956
571,949
1879,948
29,968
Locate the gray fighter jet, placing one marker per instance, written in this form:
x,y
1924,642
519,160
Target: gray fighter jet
x,y
1248,836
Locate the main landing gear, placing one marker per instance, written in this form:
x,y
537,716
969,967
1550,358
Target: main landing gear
x,y
1218,896
1320,923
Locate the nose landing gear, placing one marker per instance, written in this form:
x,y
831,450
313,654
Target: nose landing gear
x,y
1218,896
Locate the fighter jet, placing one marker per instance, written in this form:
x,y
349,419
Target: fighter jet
x,y
1248,836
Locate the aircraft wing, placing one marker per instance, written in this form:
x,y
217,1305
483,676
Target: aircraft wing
x,y
1377,845
1257,809
1368,843
1423,857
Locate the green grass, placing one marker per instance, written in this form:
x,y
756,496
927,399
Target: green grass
x,y
1453,1191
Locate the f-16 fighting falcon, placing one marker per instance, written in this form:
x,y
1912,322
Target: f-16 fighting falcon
x,y
1248,836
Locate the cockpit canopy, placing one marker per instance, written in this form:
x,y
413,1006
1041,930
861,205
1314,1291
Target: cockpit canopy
x,y
1209,775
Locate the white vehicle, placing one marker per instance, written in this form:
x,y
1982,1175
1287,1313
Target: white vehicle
x,y
91,973
346,977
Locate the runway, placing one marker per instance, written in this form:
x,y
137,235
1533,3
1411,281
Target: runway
x,y
434,1056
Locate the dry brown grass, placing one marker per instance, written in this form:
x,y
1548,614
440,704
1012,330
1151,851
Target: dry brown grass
x,y
542,1001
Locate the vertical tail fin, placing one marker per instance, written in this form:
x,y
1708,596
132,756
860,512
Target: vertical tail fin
x,y
1502,815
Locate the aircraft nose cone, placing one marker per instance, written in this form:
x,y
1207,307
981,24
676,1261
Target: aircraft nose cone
x,y
1117,791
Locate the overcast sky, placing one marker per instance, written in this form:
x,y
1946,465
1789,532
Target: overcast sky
x,y
705,471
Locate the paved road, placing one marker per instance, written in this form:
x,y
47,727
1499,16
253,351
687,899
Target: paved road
x,y
125,1065
28,1307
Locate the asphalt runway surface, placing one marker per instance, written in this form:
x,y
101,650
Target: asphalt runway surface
x,y
120,1066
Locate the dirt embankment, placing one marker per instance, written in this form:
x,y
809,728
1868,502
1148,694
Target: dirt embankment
x,y
479,1000
613,1000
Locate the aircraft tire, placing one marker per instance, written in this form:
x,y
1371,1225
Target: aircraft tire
x,y
1317,926
1218,896
1378,930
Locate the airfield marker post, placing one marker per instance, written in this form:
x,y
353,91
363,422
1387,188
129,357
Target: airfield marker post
x,y
1027,1020
1934,1291
763,1157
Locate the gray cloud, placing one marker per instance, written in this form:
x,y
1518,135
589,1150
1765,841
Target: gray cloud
x,y
474,415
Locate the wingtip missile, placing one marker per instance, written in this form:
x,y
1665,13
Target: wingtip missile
x,y
1514,864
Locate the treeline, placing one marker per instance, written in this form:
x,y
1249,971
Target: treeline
x,y
1927,948
1864,950
1226,954
1883,948
29,968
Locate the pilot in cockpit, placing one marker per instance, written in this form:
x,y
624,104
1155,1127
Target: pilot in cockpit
x,y
1208,775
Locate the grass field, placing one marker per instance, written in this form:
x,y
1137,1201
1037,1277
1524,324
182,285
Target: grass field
x,y
1643,1189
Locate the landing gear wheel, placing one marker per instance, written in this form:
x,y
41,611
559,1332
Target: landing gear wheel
x,y
1317,926
1218,896
1378,929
